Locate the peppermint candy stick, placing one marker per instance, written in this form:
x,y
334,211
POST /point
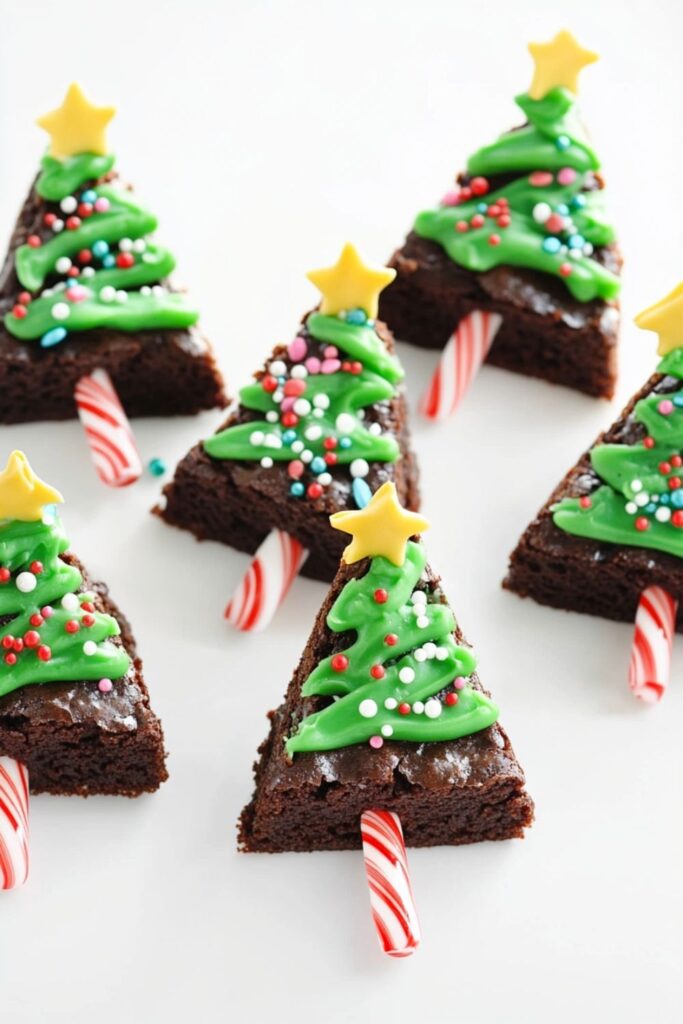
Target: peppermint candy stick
x,y
266,582
391,896
14,852
107,430
650,665
460,360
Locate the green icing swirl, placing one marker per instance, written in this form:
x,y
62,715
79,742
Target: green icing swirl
x,y
343,723
101,296
553,142
21,544
344,393
640,500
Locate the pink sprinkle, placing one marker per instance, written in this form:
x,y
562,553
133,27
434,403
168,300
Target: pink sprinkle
x,y
295,468
330,365
287,403
459,683
451,198
566,176
331,351
105,685
47,612
102,204
297,349
540,178
313,364
666,407
376,742
76,293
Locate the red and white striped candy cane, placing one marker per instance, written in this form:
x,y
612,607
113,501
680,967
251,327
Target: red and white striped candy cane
x,y
464,353
650,665
391,894
107,430
14,853
264,587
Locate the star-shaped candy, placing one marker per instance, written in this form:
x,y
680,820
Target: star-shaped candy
x,y
666,318
78,126
382,528
558,63
351,284
22,493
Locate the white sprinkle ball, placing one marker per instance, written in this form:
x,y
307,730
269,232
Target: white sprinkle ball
x,y
26,582
57,225
257,437
61,311
387,730
278,395
433,708
422,622
306,455
541,212
631,508
88,272
271,416
297,447
126,245
375,429
302,407
63,265
642,498
139,245
121,295
267,462
70,602
390,703
298,372
420,654
68,204
89,648
345,423
419,597
441,653
367,708
321,401
663,514
430,650
108,293
313,432
325,479
636,485
277,368
145,290
418,707
359,468
406,674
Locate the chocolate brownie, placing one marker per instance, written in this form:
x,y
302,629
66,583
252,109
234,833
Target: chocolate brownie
x,y
238,502
455,792
75,739
584,575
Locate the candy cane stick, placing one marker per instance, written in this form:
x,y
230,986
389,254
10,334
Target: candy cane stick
x,y
266,582
107,430
650,665
391,895
460,360
14,852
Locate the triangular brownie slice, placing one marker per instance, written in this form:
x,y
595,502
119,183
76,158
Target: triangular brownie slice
x,y
524,235
84,286
323,425
74,707
385,711
614,526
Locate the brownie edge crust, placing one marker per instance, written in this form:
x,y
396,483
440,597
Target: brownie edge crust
x,y
446,793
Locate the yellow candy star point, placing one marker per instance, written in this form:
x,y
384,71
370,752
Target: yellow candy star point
x,y
22,493
558,63
351,283
666,319
383,528
78,126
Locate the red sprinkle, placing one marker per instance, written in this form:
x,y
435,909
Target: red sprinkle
x,y
87,606
329,443
665,468
294,387
404,709
642,523
289,419
677,518
649,442
73,223
314,490
494,239
19,311
85,209
391,639
565,269
493,210
340,663
539,178
676,461
479,186
88,620
36,619
377,672
36,568
11,659
4,575
31,638
71,626
49,219
477,221
381,596
17,644
8,641
123,260
44,652
451,699
585,502
84,256
24,298
554,223
331,458
356,368
461,226
269,383
504,221
33,241
674,482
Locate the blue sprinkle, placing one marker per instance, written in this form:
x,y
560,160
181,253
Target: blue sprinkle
x,y
356,316
289,436
157,467
576,241
563,142
361,492
100,249
578,202
551,244
89,196
318,465
665,499
563,209
108,261
482,207
650,508
678,400
297,489
677,499
281,380
53,337
345,442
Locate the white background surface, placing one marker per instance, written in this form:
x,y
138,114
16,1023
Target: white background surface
x,y
264,135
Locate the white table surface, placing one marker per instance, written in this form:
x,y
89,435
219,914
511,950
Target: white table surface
x,y
264,135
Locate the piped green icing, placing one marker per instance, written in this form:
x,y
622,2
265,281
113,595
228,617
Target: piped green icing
x,y
21,545
110,228
553,164
359,711
640,502
328,396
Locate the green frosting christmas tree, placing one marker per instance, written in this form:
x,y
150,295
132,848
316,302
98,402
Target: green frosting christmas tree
x,y
404,677
90,262
641,500
312,398
54,634
549,214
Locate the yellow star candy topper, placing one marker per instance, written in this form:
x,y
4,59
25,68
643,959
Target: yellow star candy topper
x,y
382,528
22,493
78,126
351,284
666,318
558,64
